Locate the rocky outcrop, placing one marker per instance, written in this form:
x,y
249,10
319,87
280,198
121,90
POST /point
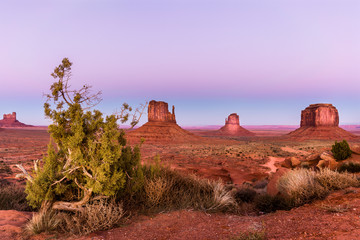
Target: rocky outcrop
x,y
232,127
9,120
320,121
161,127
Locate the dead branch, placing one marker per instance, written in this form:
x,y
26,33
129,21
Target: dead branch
x,y
24,174
68,160
74,206
36,165
87,173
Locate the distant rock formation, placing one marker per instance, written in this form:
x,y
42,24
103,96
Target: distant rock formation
x,y
158,112
161,127
320,121
232,128
9,120
320,115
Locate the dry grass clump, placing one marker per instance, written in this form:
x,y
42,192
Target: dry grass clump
x,y
13,197
170,190
332,180
300,186
303,185
97,216
46,220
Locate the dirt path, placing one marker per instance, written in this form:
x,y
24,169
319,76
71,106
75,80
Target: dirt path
x,y
271,164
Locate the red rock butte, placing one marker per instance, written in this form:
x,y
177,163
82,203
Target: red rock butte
x,y
320,121
161,127
9,120
232,127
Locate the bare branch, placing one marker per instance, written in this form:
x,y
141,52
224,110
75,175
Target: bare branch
x,y
74,206
87,173
25,173
36,165
68,160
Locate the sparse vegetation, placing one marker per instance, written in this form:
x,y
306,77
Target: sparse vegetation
x,y
96,216
341,150
167,190
266,203
350,167
302,185
5,168
13,197
245,194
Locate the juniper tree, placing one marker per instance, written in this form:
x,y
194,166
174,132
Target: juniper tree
x,y
87,155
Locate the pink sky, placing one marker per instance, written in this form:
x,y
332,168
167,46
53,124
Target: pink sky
x,y
265,60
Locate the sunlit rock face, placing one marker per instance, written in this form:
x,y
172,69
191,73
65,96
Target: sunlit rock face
x,y
158,112
232,127
320,121
161,127
9,120
321,114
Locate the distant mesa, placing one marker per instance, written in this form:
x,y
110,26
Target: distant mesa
x,y
161,126
9,120
232,127
320,121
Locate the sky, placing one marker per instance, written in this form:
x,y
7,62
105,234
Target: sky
x,y
264,59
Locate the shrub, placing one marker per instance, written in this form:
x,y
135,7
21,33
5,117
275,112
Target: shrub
x,y
13,197
341,150
46,220
267,203
301,187
88,156
332,180
350,167
5,168
245,195
167,190
96,216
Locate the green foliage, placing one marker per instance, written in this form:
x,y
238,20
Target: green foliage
x,y
341,150
350,167
88,154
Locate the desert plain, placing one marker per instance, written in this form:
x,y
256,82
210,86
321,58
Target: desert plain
x,y
242,161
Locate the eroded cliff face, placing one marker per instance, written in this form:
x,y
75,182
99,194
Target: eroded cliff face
x,y
9,120
161,127
232,127
317,115
320,121
159,112
233,119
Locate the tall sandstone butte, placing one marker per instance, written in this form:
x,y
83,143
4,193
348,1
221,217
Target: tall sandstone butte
x,y
158,112
161,127
232,127
9,120
320,121
317,115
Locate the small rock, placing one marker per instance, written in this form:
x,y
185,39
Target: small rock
x,y
327,156
294,161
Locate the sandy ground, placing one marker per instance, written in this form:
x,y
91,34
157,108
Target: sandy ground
x,y
234,160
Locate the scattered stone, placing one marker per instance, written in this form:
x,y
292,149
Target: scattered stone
x,y
295,162
327,156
